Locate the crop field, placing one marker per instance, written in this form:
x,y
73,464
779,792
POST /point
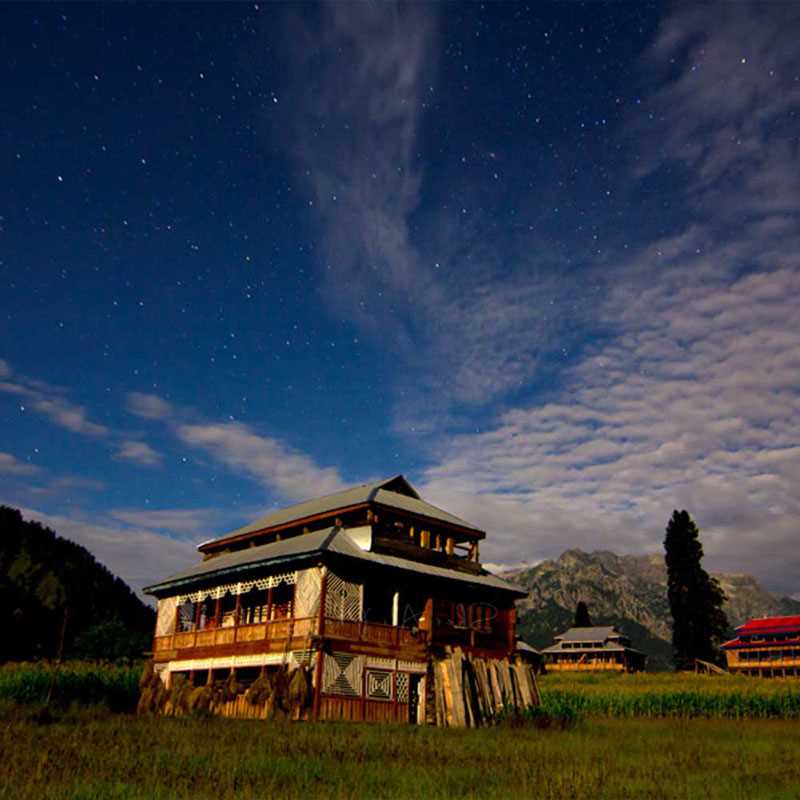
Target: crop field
x,y
670,695
643,736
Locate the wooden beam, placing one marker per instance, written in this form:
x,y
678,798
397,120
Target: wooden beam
x,y
321,646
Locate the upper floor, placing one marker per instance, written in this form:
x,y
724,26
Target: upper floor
x,y
388,515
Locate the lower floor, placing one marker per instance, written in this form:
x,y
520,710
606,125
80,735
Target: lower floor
x,y
454,690
764,671
594,662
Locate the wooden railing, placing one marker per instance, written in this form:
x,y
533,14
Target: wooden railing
x,y
374,633
283,629
584,666
275,630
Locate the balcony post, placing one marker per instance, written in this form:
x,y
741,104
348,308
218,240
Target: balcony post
x,y
321,646
236,614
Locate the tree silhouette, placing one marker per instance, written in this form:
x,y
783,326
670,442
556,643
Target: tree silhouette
x,y
695,598
582,618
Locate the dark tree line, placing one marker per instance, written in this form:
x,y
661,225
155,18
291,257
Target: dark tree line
x,y
695,598
53,592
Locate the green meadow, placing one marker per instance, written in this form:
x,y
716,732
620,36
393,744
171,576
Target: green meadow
x,y
651,736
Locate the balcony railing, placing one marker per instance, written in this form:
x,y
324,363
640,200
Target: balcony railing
x,y
290,628
374,633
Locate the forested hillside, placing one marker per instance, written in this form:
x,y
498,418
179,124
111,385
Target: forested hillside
x,y
53,590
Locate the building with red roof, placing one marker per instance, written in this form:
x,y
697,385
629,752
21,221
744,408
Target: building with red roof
x,y
769,646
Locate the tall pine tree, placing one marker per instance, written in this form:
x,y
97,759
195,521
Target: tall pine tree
x,y
695,598
582,618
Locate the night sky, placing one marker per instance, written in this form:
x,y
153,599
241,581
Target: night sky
x,y
542,259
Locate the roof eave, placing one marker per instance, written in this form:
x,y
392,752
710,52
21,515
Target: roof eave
x,y
194,580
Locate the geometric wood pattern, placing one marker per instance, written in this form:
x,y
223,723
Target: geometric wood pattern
x,y
307,591
342,599
379,684
402,687
165,622
341,674
242,587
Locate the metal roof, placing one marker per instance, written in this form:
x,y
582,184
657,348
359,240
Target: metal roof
x,y
377,492
597,633
606,647
297,548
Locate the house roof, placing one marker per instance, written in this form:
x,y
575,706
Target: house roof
x,y
769,625
606,647
764,626
597,633
395,492
335,541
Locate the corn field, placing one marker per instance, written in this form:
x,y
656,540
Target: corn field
x,y
670,695
73,683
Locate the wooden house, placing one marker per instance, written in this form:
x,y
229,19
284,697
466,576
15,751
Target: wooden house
x,y
769,647
375,595
590,649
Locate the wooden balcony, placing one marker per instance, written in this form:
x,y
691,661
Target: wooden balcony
x,y
391,636
289,633
584,666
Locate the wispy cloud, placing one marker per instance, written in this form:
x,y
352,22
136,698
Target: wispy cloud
x,y
267,459
139,452
49,401
148,406
196,522
361,71
438,286
693,400
9,465
138,555
270,461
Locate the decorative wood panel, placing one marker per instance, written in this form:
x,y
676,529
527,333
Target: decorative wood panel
x,y
307,592
167,612
342,599
342,674
379,684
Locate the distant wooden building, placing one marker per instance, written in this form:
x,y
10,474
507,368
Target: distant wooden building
x,y
769,647
373,596
530,655
598,648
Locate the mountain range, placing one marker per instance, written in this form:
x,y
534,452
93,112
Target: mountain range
x,y
627,591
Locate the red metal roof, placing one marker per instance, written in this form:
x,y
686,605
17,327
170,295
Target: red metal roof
x,y
738,644
769,625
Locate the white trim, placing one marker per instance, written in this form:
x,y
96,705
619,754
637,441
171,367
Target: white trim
x,y
242,587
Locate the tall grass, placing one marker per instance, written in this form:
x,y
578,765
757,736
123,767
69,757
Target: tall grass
x,y
82,683
125,757
671,695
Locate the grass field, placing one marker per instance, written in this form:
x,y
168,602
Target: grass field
x,y
630,736
122,756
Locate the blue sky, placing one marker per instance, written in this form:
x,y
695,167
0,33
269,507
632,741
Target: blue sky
x,y
543,260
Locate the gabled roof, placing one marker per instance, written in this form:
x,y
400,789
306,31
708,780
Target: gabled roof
x,y
395,492
597,633
333,541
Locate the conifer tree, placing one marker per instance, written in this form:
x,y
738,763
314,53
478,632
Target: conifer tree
x,y
582,618
695,598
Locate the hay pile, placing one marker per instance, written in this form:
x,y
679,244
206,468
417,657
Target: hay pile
x,y
276,693
154,694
